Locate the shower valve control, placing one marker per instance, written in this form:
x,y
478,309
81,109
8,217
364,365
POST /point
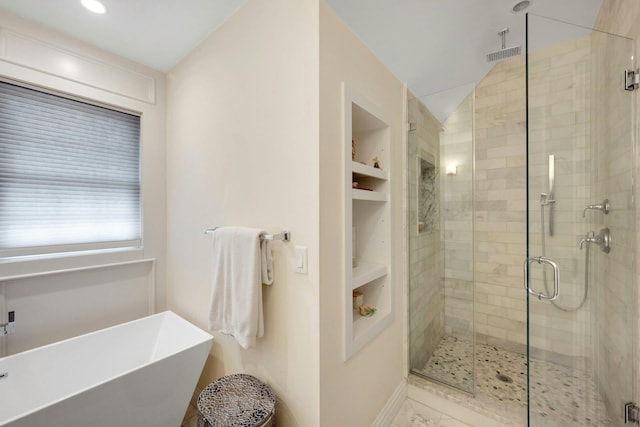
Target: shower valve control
x,y
603,239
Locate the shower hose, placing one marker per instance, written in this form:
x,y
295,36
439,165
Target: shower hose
x,y
544,271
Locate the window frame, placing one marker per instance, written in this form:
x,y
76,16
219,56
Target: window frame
x,y
92,248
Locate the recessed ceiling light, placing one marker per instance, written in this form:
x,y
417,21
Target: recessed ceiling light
x,y
94,6
521,5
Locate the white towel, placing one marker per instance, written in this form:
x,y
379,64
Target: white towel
x,y
266,262
241,262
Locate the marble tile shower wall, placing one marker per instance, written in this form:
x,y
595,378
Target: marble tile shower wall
x,y
500,200
559,117
493,241
613,157
559,123
622,17
426,296
456,148
499,203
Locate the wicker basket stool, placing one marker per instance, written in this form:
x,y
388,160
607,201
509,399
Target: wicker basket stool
x,y
237,400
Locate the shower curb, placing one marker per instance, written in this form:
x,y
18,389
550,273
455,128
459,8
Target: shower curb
x,y
454,403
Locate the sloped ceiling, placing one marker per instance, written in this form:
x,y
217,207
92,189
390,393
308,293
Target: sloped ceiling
x,y
441,45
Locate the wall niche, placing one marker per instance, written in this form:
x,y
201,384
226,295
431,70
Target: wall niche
x,y
427,187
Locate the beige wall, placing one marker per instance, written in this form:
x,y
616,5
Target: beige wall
x,y
352,392
59,297
242,149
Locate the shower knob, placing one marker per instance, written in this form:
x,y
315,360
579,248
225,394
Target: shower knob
x,y
604,207
603,239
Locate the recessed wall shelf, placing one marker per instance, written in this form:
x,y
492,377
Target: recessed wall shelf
x,y
359,169
367,221
374,196
366,272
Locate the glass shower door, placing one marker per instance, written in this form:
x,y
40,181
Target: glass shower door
x,y
580,226
440,207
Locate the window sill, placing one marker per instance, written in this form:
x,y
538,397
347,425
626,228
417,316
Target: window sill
x,y
22,267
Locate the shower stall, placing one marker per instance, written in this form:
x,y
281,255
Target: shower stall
x,y
521,230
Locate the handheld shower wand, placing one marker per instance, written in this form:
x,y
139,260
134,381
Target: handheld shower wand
x,y
550,198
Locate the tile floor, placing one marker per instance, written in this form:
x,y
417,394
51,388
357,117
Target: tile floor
x,y
414,414
561,396
190,417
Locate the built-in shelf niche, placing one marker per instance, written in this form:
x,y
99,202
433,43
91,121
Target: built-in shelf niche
x,y
367,213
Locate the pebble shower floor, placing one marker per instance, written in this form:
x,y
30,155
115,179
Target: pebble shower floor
x,y
558,396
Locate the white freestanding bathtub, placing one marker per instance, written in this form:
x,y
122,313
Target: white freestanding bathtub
x,y
140,373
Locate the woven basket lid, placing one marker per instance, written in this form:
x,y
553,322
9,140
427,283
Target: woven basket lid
x,y
237,400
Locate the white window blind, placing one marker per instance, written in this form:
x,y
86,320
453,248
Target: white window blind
x,y
69,174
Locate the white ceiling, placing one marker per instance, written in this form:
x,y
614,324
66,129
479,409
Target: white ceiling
x,y
432,45
156,33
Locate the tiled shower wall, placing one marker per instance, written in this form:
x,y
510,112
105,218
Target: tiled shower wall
x,y
456,149
499,230
570,111
623,17
426,296
499,204
559,124
614,153
559,117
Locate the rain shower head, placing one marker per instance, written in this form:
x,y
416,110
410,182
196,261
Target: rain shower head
x,y
505,52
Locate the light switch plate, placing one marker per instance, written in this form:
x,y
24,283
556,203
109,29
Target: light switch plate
x,y
301,259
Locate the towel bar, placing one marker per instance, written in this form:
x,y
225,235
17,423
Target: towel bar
x,y
285,236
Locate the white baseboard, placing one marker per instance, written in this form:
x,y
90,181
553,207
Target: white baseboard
x,y
392,407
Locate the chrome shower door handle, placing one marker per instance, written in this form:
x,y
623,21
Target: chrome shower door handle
x,y
556,278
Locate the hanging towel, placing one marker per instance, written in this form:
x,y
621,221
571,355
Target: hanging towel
x,y
266,262
241,262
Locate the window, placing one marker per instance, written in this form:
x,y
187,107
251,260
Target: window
x,y
69,174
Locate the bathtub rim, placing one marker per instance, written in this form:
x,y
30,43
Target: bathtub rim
x,y
203,337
